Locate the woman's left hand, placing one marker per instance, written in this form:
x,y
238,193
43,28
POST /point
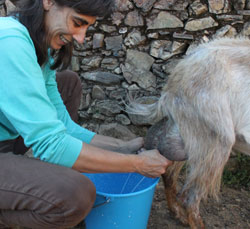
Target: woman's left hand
x,y
117,145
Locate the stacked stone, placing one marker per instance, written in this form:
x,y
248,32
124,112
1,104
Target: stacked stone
x,y
2,8
132,53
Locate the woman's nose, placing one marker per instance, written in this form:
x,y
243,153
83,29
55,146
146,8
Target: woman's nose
x,y
80,35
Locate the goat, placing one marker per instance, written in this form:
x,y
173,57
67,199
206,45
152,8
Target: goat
x,y
205,112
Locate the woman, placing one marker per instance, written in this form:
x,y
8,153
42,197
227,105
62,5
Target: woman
x,y
50,192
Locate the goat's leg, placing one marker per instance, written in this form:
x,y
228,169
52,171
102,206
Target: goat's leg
x,y
187,214
191,209
170,180
203,179
242,143
194,219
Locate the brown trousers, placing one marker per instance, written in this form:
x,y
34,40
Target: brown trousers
x,y
36,194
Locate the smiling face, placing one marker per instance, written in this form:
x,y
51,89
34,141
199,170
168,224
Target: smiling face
x,y
63,24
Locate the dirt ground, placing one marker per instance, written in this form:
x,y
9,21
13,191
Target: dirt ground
x,y
231,212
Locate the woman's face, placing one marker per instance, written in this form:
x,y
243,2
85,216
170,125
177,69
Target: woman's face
x,y
63,24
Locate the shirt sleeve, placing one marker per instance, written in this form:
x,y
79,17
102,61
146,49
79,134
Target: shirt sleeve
x,y
72,128
26,104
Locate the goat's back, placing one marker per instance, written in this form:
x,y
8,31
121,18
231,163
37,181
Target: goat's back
x,y
217,72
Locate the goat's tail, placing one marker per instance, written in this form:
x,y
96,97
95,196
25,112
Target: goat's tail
x,y
154,111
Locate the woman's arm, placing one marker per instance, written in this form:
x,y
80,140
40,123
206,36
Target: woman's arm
x,y
93,160
117,145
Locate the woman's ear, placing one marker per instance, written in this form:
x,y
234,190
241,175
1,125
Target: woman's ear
x,y
47,4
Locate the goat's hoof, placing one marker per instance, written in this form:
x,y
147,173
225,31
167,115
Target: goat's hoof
x,y
196,223
183,220
180,214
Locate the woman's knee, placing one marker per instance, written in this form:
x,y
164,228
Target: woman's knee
x,y
68,81
79,199
83,194
70,88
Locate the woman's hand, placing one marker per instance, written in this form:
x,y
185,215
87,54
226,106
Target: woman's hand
x,y
151,163
96,160
117,145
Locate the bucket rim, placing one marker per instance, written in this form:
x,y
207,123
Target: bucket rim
x,y
124,195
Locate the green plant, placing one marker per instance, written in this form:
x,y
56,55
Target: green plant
x,y
239,176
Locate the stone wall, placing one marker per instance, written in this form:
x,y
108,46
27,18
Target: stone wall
x,y
132,53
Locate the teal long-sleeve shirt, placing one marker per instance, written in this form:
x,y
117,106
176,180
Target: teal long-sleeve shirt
x,y
30,104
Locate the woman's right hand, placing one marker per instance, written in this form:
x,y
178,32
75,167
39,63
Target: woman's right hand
x,y
92,159
151,163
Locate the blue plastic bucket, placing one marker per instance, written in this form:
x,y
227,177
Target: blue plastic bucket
x,y
123,201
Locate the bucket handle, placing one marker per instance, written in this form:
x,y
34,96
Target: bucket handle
x,y
107,200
